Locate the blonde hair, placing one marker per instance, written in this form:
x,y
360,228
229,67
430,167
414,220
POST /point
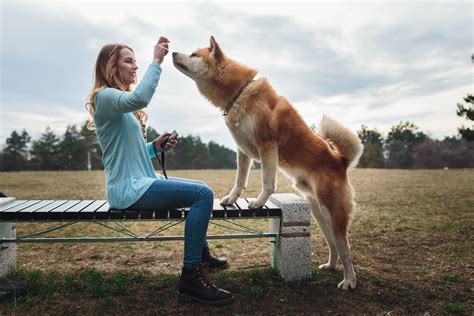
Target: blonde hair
x,y
106,74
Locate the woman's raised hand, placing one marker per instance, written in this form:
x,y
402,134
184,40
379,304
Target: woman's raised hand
x,y
161,49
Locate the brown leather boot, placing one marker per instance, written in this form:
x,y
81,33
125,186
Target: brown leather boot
x,y
195,286
213,262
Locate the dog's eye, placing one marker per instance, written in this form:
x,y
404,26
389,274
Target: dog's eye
x,y
193,55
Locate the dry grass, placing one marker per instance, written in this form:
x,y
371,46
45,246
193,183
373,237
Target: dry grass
x,y
411,239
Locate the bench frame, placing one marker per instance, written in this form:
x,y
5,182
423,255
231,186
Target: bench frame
x,y
288,216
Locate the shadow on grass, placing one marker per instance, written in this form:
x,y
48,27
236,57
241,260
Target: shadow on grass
x,y
256,291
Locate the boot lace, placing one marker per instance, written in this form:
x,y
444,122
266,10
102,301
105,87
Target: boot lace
x,y
205,281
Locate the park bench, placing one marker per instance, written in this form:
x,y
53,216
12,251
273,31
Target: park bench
x,y
288,216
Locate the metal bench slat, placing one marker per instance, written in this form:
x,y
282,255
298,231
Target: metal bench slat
x,y
88,212
232,211
270,205
58,212
161,214
117,214
37,206
22,206
28,212
131,214
273,210
10,214
176,214
245,210
145,214
73,212
105,212
260,212
42,213
218,210
11,205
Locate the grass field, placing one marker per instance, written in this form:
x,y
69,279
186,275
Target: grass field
x,y
411,236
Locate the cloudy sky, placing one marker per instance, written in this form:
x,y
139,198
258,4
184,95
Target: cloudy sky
x,y
374,62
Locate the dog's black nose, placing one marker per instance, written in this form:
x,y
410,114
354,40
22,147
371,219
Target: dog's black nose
x,y
174,54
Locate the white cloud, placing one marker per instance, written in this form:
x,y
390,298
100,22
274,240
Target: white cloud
x,y
369,62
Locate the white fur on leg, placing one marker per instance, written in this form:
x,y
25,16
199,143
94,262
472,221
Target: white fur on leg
x,y
327,266
231,198
243,168
349,281
269,160
348,284
261,200
321,214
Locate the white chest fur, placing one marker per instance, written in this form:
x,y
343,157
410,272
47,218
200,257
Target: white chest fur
x,y
242,129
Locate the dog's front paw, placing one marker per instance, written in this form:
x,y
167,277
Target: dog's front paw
x,y
229,199
347,284
256,204
327,267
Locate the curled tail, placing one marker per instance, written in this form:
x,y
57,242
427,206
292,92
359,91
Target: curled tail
x,y
346,141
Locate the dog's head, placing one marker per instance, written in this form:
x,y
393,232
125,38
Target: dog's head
x,y
202,64
217,76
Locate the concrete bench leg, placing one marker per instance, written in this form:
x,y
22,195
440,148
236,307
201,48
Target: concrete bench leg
x,y
7,250
291,252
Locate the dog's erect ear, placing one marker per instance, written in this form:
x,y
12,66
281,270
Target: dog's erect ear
x,y
215,49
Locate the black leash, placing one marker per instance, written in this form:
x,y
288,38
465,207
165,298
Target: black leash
x,y
160,160
171,136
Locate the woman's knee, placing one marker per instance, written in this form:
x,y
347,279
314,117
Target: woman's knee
x,y
200,182
206,192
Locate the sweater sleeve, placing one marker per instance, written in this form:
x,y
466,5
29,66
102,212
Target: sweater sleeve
x,y
111,102
151,152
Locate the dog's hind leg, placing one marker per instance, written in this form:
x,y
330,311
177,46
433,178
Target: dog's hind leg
x,y
325,225
342,244
337,197
243,168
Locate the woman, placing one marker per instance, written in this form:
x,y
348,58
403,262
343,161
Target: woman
x,y
119,120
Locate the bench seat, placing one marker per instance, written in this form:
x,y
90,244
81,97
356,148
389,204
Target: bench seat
x,y
64,210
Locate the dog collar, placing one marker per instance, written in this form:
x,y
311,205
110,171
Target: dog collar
x,y
232,101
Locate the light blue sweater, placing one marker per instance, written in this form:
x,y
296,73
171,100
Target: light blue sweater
x,y
127,158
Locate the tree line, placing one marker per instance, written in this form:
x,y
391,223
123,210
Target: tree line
x,y
404,147
78,149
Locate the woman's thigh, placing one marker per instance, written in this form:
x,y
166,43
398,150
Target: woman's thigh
x,y
169,194
186,180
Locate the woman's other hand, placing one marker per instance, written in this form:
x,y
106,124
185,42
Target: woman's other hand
x,y
170,145
161,49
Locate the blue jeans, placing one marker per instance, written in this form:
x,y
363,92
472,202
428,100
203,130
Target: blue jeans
x,y
173,193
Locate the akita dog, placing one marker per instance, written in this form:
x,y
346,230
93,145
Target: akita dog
x,y
267,128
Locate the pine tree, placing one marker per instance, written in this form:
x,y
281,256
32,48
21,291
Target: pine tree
x,y
467,111
14,156
45,151
72,151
